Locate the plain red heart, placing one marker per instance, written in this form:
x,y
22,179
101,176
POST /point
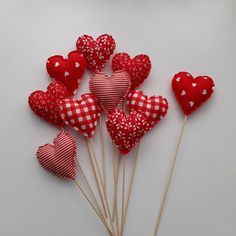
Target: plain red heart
x,y
68,70
97,52
126,130
138,68
154,107
191,92
44,104
81,115
110,91
59,157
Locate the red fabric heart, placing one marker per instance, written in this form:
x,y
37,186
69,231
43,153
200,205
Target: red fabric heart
x,y
67,70
110,91
191,92
97,52
155,107
126,130
138,68
59,157
82,115
44,104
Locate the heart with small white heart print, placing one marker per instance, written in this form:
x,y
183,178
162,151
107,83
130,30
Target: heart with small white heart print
x,y
68,70
191,92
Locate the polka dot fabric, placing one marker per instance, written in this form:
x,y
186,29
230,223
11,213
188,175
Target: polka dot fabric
x,y
97,52
138,68
110,91
126,130
82,115
68,70
59,157
44,104
191,92
155,107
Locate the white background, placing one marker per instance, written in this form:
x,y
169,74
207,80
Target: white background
x,y
197,36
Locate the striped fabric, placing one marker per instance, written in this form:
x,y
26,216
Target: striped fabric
x,y
110,91
59,157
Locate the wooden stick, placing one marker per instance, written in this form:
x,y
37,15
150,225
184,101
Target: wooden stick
x,y
100,177
90,188
131,185
103,155
96,179
95,210
123,198
163,202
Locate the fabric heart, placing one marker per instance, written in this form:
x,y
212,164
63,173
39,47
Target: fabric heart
x,y
44,104
138,68
110,91
126,130
82,115
155,107
59,157
97,52
67,70
191,92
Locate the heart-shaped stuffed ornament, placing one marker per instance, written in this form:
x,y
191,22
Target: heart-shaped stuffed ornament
x,y
138,67
110,91
97,52
59,157
81,115
191,92
44,104
68,70
126,130
154,107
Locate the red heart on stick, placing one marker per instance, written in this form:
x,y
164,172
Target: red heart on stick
x,y
138,68
154,107
97,52
44,104
81,115
69,70
191,92
110,91
59,157
126,130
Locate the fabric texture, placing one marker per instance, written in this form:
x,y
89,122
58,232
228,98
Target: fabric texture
x,y
60,157
44,104
81,115
68,70
191,92
155,107
126,130
97,52
110,91
138,68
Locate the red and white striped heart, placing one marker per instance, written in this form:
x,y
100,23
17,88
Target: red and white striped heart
x,y
126,130
110,91
191,92
81,115
59,157
154,107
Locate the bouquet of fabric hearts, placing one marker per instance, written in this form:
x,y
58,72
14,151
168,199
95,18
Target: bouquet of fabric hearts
x,y
130,114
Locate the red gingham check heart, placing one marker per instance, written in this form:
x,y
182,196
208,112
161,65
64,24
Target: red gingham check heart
x,y
59,157
82,115
155,107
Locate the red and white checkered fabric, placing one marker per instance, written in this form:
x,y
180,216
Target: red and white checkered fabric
x,y
82,115
59,157
155,107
